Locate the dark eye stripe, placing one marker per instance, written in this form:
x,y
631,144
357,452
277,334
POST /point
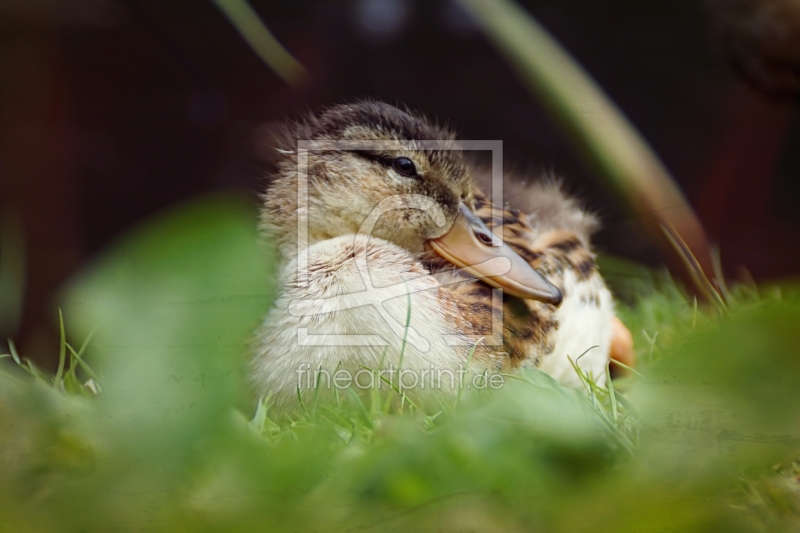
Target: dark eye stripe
x,y
370,155
374,156
388,161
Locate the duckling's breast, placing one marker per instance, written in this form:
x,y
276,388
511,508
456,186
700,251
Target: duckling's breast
x,y
351,304
583,333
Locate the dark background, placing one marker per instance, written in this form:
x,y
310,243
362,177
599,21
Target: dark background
x,y
111,110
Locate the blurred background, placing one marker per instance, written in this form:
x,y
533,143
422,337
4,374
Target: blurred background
x,y
112,110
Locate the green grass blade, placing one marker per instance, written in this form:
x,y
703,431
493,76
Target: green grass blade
x,y
612,395
628,368
405,330
596,126
466,369
403,396
62,348
693,266
255,32
14,355
82,363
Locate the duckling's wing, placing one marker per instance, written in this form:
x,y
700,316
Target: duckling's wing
x,y
553,235
552,238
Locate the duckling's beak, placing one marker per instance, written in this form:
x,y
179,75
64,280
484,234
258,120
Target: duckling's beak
x,y
472,246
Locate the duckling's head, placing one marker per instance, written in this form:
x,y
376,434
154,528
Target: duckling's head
x,y
371,167
361,154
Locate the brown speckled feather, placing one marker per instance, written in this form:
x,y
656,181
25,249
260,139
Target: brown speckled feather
x,y
528,324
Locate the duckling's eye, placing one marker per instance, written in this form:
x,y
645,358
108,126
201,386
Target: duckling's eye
x,y
404,166
485,239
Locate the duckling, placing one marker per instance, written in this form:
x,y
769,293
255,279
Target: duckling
x,y
390,276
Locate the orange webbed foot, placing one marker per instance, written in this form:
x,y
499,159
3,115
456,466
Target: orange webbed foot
x,y
621,347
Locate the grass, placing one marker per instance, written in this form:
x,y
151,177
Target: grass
x,y
147,425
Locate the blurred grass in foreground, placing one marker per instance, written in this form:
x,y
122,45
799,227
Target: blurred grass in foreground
x,y
166,444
